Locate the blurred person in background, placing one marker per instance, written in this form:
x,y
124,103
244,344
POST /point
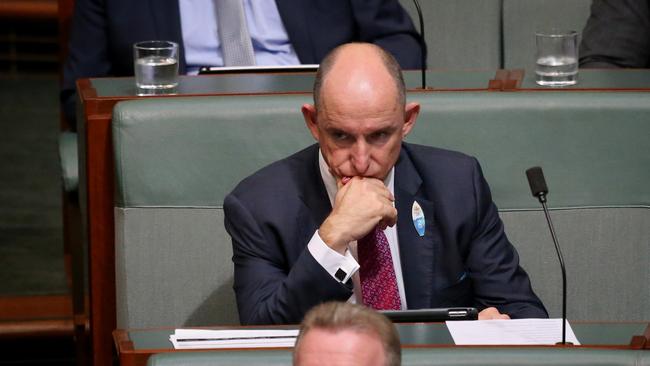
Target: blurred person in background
x,y
617,34
282,32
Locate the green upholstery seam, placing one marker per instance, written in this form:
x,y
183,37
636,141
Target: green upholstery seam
x,y
121,196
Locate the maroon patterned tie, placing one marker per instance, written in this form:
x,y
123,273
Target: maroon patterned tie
x,y
378,282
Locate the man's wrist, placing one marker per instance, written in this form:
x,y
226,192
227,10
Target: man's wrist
x,y
332,238
340,266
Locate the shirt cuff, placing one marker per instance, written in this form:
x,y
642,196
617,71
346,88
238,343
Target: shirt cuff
x,y
341,267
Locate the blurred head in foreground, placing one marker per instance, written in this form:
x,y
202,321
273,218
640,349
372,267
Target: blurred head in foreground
x,y
340,333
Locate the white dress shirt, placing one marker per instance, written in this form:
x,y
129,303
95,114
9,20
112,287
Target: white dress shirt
x,y
332,261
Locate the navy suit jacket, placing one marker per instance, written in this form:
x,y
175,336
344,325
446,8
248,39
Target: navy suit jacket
x,y
464,258
104,31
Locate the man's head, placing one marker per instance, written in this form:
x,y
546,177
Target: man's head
x,y
360,116
339,333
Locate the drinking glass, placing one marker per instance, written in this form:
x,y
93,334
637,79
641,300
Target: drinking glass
x,y
156,66
557,57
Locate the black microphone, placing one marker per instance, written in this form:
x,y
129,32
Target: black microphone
x,y
539,189
423,45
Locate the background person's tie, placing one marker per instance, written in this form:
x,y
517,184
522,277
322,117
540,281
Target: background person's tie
x,y
236,45
378,282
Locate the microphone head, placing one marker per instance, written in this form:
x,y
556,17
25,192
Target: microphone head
x,y
536,181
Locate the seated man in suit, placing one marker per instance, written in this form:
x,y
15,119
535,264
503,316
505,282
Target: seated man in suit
x,y
281,32
363,216
370,338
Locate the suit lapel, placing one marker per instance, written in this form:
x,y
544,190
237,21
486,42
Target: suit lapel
x,y
314,194
295,15
167,21
416,252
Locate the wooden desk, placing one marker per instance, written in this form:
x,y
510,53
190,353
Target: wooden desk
x,y
29,9
136,346
97,99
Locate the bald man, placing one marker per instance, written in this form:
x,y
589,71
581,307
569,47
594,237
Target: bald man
x,y
298,225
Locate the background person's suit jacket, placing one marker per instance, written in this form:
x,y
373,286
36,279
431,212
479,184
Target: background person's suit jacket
x,y
617,34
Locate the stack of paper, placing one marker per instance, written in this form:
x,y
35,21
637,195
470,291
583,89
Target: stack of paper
x,y
233,338
510,332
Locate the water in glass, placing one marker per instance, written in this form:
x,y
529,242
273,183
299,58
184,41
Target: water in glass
x,y
556,71
156,72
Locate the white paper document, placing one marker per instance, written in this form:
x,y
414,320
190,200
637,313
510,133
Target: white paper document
x,y
233,338
510,332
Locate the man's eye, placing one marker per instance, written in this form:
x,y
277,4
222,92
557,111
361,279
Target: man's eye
x,y
379,136
340,136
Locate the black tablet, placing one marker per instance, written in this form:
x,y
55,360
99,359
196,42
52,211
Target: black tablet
x,y
212,70
431,315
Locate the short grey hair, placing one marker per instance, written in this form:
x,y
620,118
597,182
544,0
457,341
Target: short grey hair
x,y
337,316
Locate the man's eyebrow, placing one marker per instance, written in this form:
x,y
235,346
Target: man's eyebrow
x,y
386,129
330,129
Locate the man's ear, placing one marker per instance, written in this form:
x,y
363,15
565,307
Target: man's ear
x,y
309,114
411,112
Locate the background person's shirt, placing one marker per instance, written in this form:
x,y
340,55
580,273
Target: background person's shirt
x,y
201,39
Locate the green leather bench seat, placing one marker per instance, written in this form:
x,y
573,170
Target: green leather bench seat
x,y
492,34
460,34
69,160
176,159
522,18
425,357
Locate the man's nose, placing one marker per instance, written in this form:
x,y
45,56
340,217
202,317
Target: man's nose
x,y
360,158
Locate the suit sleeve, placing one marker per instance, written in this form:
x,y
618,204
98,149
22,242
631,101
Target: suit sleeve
x,y
270,287
88,51
617,34
493,262
386,24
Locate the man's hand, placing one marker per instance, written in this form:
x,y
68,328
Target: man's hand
x,y
491,313
359,206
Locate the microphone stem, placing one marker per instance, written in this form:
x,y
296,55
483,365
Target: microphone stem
x,y
561,258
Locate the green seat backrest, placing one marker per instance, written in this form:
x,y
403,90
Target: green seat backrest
x,y
467,34
522,18
176,158
594,151
175,161
424,357
460,34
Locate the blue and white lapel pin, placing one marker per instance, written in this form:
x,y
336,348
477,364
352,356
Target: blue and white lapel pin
x,y
418,218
